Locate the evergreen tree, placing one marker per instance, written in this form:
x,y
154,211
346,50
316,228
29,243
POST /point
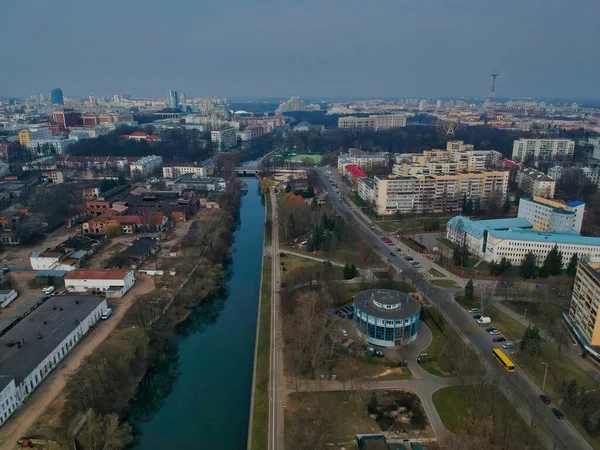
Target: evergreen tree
x,y
573,394
592,424
470,207
349,271
506,206
531,341
572,266
456,257
354,270
469,290
553,262
528,266
288,188
464,204
544,272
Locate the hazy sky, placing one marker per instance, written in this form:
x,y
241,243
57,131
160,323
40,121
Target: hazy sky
x,y
311,48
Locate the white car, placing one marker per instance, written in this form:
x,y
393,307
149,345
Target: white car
x,y
344,333
474,311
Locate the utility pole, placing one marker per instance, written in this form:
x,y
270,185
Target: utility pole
x,y
545,373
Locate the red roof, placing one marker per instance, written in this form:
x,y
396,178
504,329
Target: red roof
x,y
139,134
508,163
96,274
355,171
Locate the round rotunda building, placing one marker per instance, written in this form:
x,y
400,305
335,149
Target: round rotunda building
x,y
386,317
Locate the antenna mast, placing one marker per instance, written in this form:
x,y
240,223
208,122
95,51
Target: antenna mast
x,y
492,111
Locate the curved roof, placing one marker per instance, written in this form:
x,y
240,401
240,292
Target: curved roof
x,y
387,304
241,111
303,124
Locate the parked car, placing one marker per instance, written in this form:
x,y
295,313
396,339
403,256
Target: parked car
x,y
350,308
350,315
482,320
344,333
341,314
374,351
392,254
507,345
488,329
106,314
473,310
408,258
557,413
494,332
48,290
545,399
477,316
418,265
499,339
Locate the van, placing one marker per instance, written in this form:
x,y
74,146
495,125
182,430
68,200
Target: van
x,y
483,320
48,290
106,314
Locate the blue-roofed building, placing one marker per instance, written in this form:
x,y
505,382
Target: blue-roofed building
x,y
550,215
512,239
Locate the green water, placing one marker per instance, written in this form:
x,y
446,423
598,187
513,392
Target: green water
x,y
200,397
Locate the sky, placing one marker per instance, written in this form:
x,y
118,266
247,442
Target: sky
x,y
311,48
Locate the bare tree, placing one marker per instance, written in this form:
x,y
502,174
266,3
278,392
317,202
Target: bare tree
x,y
105,433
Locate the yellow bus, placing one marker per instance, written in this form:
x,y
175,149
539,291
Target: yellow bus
x,y
499,356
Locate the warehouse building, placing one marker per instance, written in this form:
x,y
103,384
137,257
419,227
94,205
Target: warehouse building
x,y
33,347
112,283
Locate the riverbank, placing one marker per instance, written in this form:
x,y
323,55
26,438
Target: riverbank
x,y
259,406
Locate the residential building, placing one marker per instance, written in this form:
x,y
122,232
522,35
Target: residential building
x,y
139,251
534,183
141,136
366,161
373,122
591,173
438,193
549,215
45,146
112,283
56,97
525,150
585,303
55,176
34,347
34,134
194,182
366,190
173,100
353,173
512,239
146,165
293,104
176,171
224,139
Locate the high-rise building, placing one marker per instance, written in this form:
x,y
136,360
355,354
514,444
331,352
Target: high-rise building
x,y
173,100
585,302
224,139
182,100
293,104
56,97
542,149
92,100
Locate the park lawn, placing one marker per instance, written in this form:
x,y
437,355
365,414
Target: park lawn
x,y
269,216
451,405
347,253
313,157
448,284
260,413
510,328
466,303
291,262
435,351
436,273
533,311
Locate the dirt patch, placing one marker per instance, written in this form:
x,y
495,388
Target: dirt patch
x,y
397,411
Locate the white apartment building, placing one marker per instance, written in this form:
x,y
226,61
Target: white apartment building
x,y
591,173
542,149
366,189
146,165
363,160
113,283
28,358
373,122
437,193
58,146
224,140
177,171
548,215
535,184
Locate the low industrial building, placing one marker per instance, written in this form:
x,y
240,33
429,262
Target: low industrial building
x,y
7,296
386,317
39,341
112,283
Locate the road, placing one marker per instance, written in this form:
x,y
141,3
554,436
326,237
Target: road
x,y
559,434
278,391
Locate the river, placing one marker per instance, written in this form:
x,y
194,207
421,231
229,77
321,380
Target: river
x,y
200,397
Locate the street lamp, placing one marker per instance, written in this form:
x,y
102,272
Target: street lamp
x,y
545,373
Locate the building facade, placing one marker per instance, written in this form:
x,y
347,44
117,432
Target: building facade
x,y
366,161
146,165
548,215
373,122
43,146
386,317
585,302
56,97
542,149
177,171
534,183
112,283
224,139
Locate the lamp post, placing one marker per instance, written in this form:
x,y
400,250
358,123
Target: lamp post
x,y
545,373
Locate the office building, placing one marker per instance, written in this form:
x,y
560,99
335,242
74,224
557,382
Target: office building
x,y
534,183
45,147
512,239
177,171
56,97
437,193
173,100
386,318
548,215
525,150
373,122
224,139
585,303
367,161
145,166
39,341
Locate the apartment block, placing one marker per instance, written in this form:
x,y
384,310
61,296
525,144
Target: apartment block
x,y
225,139
585,302
373,122
542,149
366,161
177,171
535,184
146,165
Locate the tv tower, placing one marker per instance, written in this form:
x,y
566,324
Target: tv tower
x,y
491,113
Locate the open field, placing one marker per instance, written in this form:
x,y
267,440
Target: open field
x,y
448,284
291,263
303,157
436,273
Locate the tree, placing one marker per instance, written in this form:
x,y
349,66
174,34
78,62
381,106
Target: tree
x,y
265,185
574,394
350,271
572,266
105,433
553,262
288,188
112,230
592,424
456,257
469,290
528,266
531,341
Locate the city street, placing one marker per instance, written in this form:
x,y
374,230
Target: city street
x,y
560,434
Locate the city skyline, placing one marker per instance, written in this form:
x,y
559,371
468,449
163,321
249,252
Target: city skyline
x,y
347,50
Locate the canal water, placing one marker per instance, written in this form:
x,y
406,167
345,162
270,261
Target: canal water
x,y
199,398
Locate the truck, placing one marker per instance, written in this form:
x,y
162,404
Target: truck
x,y
482,320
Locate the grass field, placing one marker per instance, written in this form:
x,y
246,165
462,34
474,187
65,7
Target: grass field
x,y
260,419
436,273
291,262
449,284
312,157
511,329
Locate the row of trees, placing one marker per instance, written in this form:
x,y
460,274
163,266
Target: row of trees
x,y
552,265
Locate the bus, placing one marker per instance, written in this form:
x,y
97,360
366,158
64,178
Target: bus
x,y
499,356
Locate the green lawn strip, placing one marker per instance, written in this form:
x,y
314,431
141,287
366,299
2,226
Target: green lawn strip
x,y
510,328
347,253
436,273
534,311
268,232
292,262
444,283
451,405
260,418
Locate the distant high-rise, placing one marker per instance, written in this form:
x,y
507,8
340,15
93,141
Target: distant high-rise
x,y
56,97
173,100
92,100
293,104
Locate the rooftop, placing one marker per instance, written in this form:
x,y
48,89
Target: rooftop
x,y
572,238
400,304
476,228
96,274
54,320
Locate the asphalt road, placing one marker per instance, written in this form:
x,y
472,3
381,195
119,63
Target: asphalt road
x,y
559,434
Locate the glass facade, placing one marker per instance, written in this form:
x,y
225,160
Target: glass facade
x,y
393,332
